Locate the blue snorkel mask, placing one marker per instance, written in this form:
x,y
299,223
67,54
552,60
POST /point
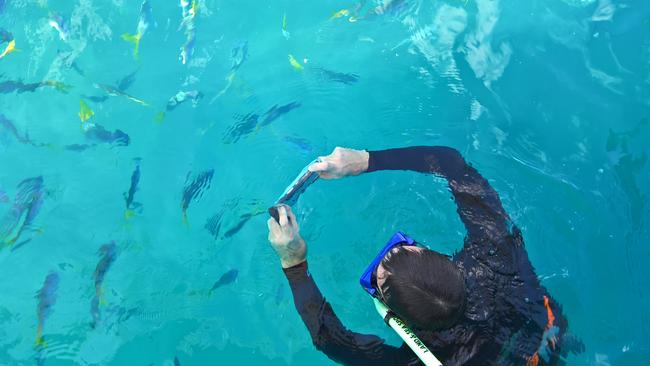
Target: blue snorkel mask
x,y
367,279
368,282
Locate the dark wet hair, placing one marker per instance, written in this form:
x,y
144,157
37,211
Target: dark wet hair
x,y
424,288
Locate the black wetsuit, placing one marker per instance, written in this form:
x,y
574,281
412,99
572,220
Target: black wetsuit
x,y
510,318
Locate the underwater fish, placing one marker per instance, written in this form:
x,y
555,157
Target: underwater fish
x,y
27,204
57,22
96,99
11,48
182,96
85,113
78,147
277,111
225,279
213,224
107,255
126,82
340,14
119,90
133,188
252,122
243,219
97,133
216,221
3,3
10,86
176,361
338,77
245,125
46,300
195,189
238,55
302,144
6,124
114,92
3,197
5,36
294,63
285,31
144,22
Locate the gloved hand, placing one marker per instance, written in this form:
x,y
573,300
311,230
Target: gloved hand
x,y
341,163
285,238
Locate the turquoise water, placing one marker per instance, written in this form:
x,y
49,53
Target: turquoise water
x,y
548,99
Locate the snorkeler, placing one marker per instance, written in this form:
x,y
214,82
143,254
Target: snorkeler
x,y
483,306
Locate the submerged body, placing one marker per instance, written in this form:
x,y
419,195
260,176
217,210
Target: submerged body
x,y
27,204
46,299
108,254
144,22
509,317
194,190
129,196
225,279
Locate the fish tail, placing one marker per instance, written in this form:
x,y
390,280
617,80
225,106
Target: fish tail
x,y
129,214
135,39
159,117
294,63
40,341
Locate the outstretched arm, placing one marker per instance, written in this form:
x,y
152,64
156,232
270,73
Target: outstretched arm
x,y
326,330
478,203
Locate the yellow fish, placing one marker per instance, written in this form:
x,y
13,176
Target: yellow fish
x,y
340,14
11,47
194,8
85,112
285,31
159,117
135,39
294,63
63,88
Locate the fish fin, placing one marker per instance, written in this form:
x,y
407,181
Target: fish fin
x,y
15,247
135,39
40,342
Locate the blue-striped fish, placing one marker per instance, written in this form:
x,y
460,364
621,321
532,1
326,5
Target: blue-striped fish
x,y
107,254
46,299
27,204
129,196
194,189
225,279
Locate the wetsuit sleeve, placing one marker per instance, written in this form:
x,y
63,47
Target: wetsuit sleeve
x,y
328,333
478,203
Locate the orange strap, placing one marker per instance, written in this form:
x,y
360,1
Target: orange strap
x,y
534,359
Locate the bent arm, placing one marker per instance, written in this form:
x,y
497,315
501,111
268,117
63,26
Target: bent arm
x,y
479,206
328,333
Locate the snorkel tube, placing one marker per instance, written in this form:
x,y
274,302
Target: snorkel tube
x,y
407,335
294,190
